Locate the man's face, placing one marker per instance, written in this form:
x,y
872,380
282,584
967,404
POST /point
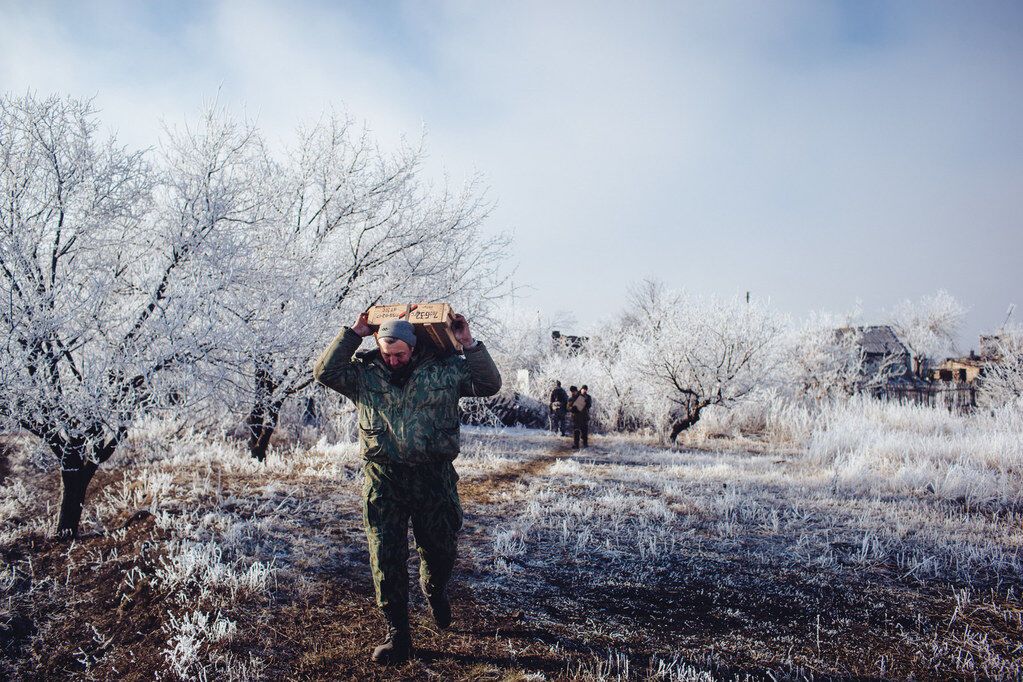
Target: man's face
x,y
396,354
583,390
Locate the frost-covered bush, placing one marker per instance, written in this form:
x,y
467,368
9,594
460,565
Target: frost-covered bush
x,y
819,362
522,340
928,326
749,418
192,644
873,445
1002,383
668,359
769,417
20,512
622,397
192,568
8,578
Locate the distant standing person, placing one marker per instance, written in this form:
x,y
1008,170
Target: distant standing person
x,y
407,400
579,405
559,407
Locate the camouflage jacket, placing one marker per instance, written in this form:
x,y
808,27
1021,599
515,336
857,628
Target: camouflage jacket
x,y
412,424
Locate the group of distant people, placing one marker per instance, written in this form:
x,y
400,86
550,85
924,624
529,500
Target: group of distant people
x,y
577,403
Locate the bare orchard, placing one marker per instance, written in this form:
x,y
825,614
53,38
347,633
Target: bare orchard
x,y
624,561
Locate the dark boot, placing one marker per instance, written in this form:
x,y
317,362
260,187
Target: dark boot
x,y
441,608
398,646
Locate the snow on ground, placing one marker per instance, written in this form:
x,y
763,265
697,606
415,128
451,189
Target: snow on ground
x,y
622,561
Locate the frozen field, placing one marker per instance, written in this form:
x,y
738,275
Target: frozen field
x,y
623,561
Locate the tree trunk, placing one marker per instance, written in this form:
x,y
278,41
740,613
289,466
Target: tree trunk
x,y
255,427
309,414
260,434
259,441
75,482
681,425
263,418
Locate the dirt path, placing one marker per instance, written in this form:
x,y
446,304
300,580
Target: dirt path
x,y
327,629
488,490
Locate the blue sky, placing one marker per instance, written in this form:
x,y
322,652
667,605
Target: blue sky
x,y
817,153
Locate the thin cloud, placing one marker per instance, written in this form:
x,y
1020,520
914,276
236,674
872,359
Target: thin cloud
x,y
812,152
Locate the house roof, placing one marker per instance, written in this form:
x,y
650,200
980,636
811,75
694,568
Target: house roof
x,y
882,340
878,340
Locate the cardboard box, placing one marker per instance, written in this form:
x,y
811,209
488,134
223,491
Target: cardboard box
x,y
380,313
432,322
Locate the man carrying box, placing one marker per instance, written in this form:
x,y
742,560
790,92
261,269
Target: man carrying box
x,y
407,400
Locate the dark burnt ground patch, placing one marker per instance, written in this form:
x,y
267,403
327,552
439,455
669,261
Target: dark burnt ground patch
x,y
752,619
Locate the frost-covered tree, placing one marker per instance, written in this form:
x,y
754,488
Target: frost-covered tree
x,y
823,359
606,363
1002,383
525,342
928,326
109,273
702,351
522,340
354,226
618,388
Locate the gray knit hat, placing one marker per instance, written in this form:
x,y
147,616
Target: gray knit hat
x,y
397,330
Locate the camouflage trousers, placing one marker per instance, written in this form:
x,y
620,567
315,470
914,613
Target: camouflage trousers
x,y
426,494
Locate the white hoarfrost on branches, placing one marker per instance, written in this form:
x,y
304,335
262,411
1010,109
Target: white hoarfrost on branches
x,y
823,359
1002,383
703,351
109,273
193,638
523,340
605,363
659,365
608,365
207,277
928,326
353,226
